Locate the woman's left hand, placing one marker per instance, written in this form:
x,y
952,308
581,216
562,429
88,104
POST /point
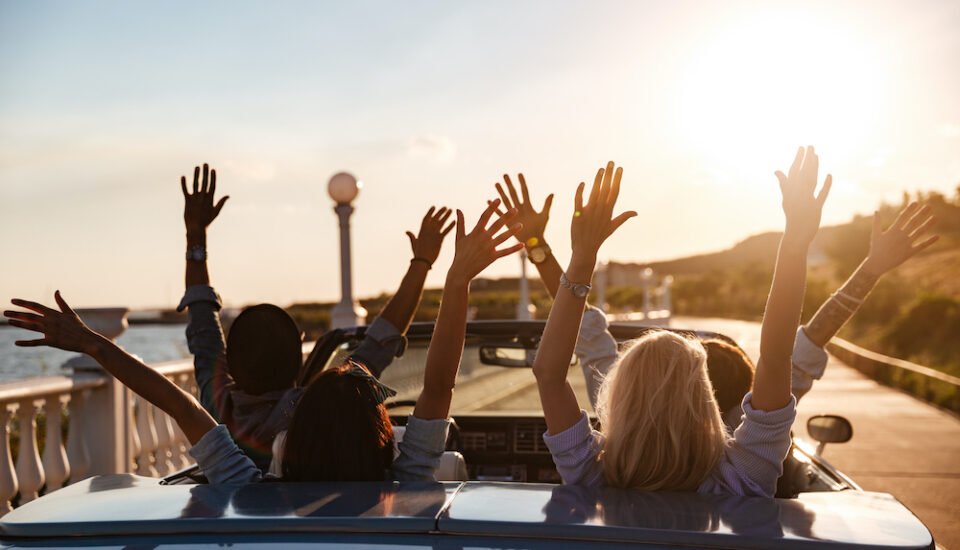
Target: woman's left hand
x,y
61,329
593,222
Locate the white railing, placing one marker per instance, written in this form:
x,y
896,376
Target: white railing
x,y
100,439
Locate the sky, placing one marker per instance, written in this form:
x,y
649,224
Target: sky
x,y
104,105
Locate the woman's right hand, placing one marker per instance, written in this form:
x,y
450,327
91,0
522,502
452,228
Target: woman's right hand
x,y
478,249
899,242
593,222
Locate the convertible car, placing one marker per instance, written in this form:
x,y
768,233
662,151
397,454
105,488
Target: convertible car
x,y
498,487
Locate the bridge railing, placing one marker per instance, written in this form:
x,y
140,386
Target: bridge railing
x,y
91,425
928,384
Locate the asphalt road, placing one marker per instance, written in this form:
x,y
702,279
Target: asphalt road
x,y
900,445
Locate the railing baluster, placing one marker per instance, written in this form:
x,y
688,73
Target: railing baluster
x,y
55,465
8,476
181,458
148,439
164,442
29,468
77,452
135,446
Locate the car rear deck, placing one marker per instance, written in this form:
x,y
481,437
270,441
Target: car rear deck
x,y
132,510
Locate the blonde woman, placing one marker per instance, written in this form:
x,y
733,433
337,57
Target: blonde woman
x,y
662,428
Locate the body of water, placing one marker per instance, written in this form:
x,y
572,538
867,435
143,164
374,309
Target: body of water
x,y
152,343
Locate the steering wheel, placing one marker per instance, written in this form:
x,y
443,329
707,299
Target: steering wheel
x,y
453,436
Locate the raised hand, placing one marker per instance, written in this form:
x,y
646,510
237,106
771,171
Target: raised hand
x,y
593,222
198,208
426,245
801,207
61,329
534,223
478,249
898,243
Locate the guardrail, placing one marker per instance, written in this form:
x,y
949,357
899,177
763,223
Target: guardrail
x,y
928,384
108,430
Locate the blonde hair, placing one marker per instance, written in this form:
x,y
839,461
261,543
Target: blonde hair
x,y
661,422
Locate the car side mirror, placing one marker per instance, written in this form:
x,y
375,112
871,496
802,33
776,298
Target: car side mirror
x,y
829,428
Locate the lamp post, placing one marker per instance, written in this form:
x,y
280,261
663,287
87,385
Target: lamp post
x,y
600,284
525,309
343,188
665,302
646,277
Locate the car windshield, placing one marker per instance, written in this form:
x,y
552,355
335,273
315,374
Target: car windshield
x,y
481,387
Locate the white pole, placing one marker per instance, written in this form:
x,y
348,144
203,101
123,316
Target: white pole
x,y
524,305
600,284
347,312
646,276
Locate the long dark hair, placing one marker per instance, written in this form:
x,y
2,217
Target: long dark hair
x,y
731,373
339,432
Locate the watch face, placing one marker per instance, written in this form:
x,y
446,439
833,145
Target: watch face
x,y
580,291
537,254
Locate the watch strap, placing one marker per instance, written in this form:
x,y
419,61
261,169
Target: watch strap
x,y
197,253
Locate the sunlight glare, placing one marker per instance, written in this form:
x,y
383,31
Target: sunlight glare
x,y
771,82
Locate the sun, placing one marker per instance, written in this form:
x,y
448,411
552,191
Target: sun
x,y
769,82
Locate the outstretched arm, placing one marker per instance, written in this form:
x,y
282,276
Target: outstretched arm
x,y
771,383
592,224
888,249
533,233
475,251
64,330
199,212
204,333
596,347
401,308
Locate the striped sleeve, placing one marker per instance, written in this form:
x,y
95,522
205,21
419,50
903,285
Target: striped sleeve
x,y
575,453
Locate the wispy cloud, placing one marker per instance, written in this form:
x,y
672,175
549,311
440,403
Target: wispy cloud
x,y
439,149
250,170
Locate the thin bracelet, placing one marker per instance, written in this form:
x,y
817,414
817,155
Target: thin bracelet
x,y
846,296
842,305
424,260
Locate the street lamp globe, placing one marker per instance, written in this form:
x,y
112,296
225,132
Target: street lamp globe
x,y
343,187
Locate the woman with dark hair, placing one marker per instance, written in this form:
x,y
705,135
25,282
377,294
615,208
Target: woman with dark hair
x,y
340,430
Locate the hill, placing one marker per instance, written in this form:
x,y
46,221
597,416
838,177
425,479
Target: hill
x,y
913,313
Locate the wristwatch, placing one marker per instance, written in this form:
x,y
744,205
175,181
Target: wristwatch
x,y
539,254
579,290
197,254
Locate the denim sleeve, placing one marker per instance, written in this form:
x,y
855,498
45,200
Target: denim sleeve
x,y
222,461
421,450
381,343
597,350
809,362
206,342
